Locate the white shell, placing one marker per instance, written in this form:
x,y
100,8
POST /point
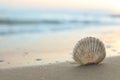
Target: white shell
x,y
89,50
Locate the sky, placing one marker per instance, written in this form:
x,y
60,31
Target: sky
x,y
111,5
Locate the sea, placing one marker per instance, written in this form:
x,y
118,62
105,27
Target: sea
x,y
41,37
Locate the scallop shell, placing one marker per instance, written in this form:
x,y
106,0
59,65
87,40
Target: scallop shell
x,y
89,50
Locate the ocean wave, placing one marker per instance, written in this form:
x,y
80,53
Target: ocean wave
x,y
19,17
52,22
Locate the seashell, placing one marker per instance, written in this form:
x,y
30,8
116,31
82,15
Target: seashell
x,y
89,50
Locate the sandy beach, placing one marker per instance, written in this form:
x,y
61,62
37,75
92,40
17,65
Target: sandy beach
x,y
109,69
38,39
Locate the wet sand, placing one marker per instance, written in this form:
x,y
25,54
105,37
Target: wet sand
x,y
109,69
27,49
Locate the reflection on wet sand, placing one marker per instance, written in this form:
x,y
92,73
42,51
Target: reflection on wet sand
x,y
39,49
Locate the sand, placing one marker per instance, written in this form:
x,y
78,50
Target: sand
x,y
109,69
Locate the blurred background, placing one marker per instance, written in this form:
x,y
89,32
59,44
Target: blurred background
x,y
37,32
